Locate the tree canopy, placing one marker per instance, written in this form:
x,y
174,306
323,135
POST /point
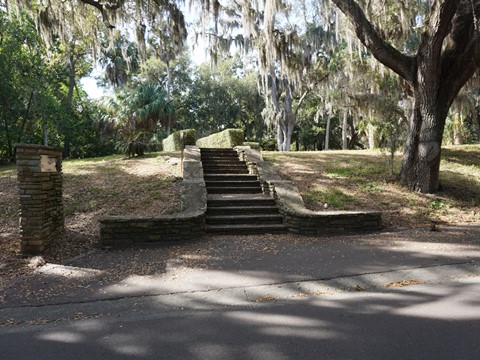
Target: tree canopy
x,y
312,74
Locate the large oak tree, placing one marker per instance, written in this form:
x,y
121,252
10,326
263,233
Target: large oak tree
x,y
447,57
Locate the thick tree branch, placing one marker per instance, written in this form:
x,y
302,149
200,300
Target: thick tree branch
x,y
461,71
461,57
369,36
438,26
102,8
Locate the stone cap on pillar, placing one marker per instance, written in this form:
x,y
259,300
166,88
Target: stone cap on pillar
x,y
38,147
39,158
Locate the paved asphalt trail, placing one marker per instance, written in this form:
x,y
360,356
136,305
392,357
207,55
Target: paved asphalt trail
x,y
388,295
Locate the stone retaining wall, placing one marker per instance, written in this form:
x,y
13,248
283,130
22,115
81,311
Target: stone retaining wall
x,y
320,223
189,224
40,183
299,219
125,230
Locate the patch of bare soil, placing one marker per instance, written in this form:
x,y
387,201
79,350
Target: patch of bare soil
x,y
92,188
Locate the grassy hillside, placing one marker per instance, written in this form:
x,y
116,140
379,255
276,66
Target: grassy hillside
x,y
327,180
93,188
354,180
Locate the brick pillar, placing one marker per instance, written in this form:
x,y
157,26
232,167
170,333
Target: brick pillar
x,y
40,183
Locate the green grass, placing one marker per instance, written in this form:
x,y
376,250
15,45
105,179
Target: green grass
x,y
334,197
373,187
8,170
362,180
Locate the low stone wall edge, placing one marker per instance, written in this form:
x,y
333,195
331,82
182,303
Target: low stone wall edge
x,y
298,218
129,230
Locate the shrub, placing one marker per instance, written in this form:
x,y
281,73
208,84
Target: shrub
x,y
269,145
179,139
253,145
131,148
228,138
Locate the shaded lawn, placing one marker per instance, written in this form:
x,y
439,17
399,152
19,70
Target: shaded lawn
x,y
362,180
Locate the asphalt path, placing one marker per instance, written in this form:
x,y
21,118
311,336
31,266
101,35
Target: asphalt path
x,y
398,295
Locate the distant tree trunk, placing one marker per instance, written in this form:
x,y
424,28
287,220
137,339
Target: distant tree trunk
x,y
169,96
345,130
287,118
327,134
476,120
25,117
9,154
435,75
372,140
354,135
457,128
288,123
71,77
72,83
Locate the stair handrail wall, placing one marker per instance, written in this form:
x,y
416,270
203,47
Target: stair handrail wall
x,y
267,188
194,194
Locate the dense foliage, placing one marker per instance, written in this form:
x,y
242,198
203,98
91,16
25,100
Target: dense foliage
x,y
34,99
293,75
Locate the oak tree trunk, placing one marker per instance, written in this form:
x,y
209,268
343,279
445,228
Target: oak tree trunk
x,y
448,55
422,154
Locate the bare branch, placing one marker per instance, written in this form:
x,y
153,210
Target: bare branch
x,y
300,102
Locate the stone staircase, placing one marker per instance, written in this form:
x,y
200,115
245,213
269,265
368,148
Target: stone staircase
x,y
235,202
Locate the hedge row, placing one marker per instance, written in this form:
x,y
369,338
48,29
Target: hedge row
x,y
228,138
179,139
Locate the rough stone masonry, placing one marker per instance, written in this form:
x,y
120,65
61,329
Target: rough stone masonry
x,y
40,184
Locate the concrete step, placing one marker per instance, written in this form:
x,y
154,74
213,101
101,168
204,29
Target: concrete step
x,y
232,155
259,219
224,168
213,150
241,210
230,177
223,162
245,229
233,183
214,171
234,190
239,200
235,203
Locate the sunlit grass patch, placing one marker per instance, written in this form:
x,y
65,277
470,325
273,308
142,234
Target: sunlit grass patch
x,y
353,169
439,204
373,186
8,170
334,197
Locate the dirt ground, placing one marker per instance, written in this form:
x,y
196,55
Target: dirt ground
x,y
92,188
151,186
